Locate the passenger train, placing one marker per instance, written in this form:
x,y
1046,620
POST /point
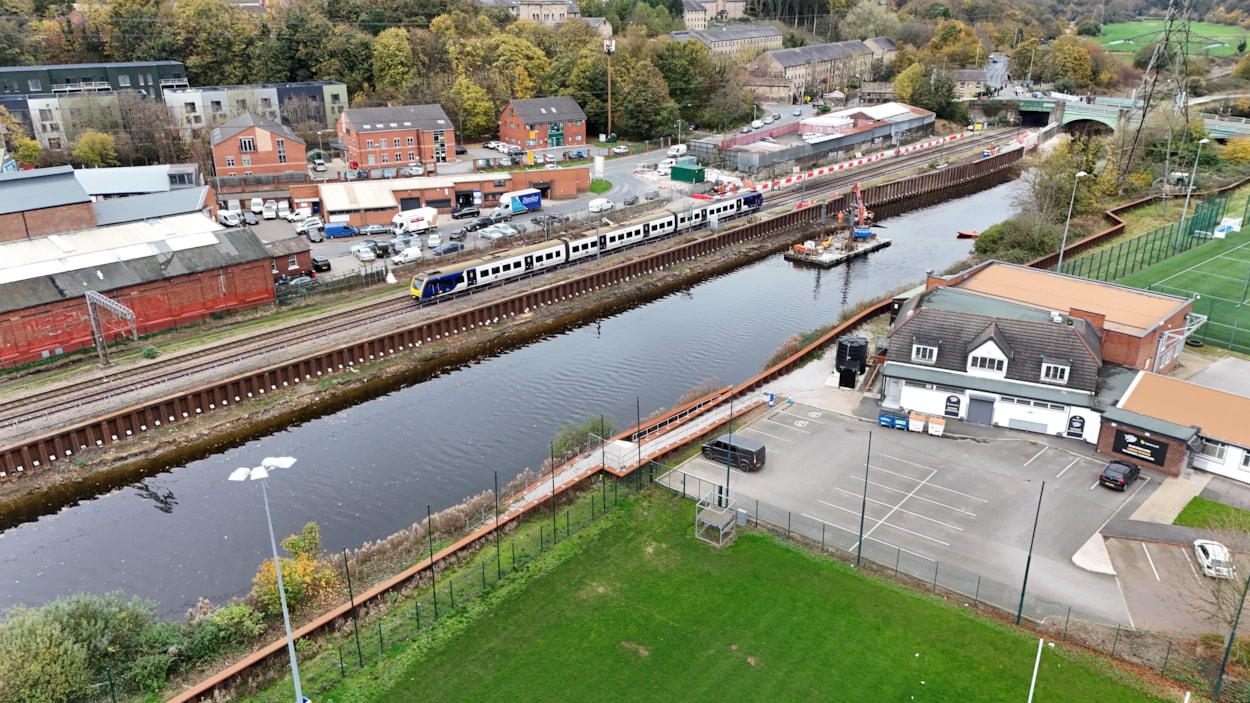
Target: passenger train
x,y
533,258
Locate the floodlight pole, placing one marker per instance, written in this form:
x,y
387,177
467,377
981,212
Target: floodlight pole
x,y
1037,663
863,508
1063,244
286,616
729,455
1029,561
1232,635
1189,190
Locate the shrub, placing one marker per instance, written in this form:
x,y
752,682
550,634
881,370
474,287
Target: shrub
x,y
238,623
112,629
150,672
151,352
573,438
304,576
39,662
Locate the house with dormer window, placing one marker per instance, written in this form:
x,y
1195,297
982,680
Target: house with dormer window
x,y
543,123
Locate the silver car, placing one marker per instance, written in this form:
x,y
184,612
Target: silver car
x,y
1214,559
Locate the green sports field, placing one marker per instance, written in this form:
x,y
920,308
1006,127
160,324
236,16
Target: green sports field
x,y
1204,37
640,610
1217,276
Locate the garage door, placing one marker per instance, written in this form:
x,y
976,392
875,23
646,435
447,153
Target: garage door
x,y
409,203
980,410
1027,426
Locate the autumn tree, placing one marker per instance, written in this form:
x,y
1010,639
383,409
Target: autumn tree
x,y
867,20
643,107
26,151
472,109
138,30
906,81
392,60
11,128
95,149
587,83
215,41
955,43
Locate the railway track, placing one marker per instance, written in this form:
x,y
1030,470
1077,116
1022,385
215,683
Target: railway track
x,y
114,387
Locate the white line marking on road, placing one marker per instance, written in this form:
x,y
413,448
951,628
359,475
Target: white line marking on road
x,y
908,512
1095,485
1121,506
806,417
900,503
904,461
1192,569
1150,561
931,485
854,546
1065,469
1030,461
783,439
787,425
1120,587
927,500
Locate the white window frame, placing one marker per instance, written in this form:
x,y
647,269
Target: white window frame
x,y
1213,450
987,363
1055,373
924,354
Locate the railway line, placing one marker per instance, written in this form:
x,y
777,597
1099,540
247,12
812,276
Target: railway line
x,y
94,394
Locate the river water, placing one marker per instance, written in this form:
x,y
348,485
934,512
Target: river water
x,y
370,470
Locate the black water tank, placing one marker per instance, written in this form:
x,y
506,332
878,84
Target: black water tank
x,y
846,378
852,354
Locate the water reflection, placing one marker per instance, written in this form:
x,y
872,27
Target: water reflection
x,y
163,498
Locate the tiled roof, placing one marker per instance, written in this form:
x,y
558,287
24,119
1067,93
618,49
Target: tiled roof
x,y
427,118
974,75
721,34
540,110
819,52
1027,340
880,44
247,120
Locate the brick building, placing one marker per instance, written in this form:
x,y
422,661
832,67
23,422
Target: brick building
x,y
377,136
249,145
734,41
41,202
820,68
543,123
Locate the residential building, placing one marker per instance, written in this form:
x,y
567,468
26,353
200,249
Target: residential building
x,y
546,12
812,70
873,93
694,13
543,123
883,49
148,77
57,120
378,136
969,83
250,145
697,13
601,25
747,41
311,102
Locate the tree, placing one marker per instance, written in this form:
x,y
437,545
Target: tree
x,y
304,576
905,83
94,148
867,20
1237,150
689,71
11,128
216,41
644,106
520,67
392,60
138,30
955,42
471,104
39,663
1069,59
26,151
1242,69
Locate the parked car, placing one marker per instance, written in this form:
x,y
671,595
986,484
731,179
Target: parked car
x,y
284,210
651,195
433,240
458,235
305,224
320,263
299,214
229,218
388,173
467,211
478,223
461,150
375,230
620,149
257,206
249,218
302,281
601,205
315,234
447,248
407,256
500,215
1214,559
401,243
411,171
768,140
520,228
492,233
797,112
319,165
270,211
490,145
1119,474
630,200
335,230
746,129
549,158
379,248
507,230
364,252
551,167
579,154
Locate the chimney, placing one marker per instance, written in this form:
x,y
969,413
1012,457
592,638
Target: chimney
x,y
1097,319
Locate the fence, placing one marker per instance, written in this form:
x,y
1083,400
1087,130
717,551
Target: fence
x,y
1168,656
1223,327
1116,261
365,277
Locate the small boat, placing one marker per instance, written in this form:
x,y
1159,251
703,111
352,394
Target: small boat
x,y
970,234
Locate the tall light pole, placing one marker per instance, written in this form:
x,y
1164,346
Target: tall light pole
x,y
261,473
1189,190
609,48
1063,244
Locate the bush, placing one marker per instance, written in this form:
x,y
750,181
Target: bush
x,y
112,629
304,576
238,623
39,661
151,352
573,439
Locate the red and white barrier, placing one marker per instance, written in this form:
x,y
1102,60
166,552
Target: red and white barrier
x,y
779,183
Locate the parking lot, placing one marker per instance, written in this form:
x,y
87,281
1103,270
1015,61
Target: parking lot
x,y
968,503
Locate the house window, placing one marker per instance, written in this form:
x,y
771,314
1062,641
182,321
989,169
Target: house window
x,y
410,142
54,143
247,144
247,161
34,85
412,156
215,105
334,99
45,115
292,262
1054,373
923,354
386,158
1213,450
230,161
281,151
986,363
188,108
368,143
1245,461
241,104
266,103
123,81
399,157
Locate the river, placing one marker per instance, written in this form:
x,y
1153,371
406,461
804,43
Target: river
x,y
370,470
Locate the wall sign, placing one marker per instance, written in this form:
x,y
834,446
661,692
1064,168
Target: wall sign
x,y
1076,426
1139,447
952,406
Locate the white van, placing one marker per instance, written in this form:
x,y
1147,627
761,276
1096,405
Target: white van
x,y
600,205
229,218
757,124
407,256
665,167
258,206
271,210
676,150
284,209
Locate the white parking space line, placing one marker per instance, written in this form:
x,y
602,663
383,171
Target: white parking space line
x,y
1095,485
1192,569
927,500
1121,506
789,425
879,523
900,505
874,539
757,430
1150,561
878,502
1030,461
1120,586
1065,469
931,485
904,461
806,417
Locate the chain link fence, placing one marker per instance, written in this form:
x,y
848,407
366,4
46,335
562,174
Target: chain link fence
x,y
1175,657
1116,261
323,286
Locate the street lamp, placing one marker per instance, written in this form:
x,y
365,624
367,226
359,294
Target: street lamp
x,y
1193,172
261,473
1064,243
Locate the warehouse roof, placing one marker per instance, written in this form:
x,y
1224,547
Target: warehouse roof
x,y
1218,415
40,188
142,207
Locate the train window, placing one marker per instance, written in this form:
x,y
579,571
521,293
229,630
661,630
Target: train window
x,y
495,271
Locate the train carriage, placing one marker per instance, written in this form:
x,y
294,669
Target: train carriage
x,y
479,273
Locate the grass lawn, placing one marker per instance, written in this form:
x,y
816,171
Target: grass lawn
x,y
599,186
1208,514
640,610
1134,35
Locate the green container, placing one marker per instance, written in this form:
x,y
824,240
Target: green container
x,y
688,174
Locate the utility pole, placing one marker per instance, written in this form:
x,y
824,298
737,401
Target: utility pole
x,y
609,48
1028,79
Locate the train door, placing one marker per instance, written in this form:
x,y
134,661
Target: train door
x,y
471,277
529,262
603,242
